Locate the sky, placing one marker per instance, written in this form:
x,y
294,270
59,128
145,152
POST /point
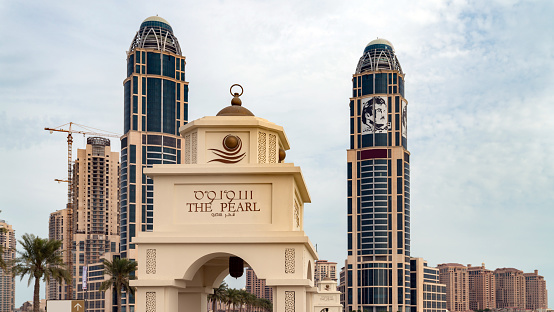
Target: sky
x,y
479,78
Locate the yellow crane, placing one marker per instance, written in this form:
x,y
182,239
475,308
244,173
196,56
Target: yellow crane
x,y
69,129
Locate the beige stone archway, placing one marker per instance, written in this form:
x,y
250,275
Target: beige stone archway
x,y
233,196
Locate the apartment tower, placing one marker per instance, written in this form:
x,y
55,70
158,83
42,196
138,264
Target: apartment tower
x,y
427,294
482,286
155,106
257,286
96,218
510,288
7,281
378,263
57,230
455,277
323,269
535,291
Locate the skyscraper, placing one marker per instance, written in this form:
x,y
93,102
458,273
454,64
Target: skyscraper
x,y
155,106
95,222
378,263
7,281
96,217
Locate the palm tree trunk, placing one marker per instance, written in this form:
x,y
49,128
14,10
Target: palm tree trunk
x,y
36,300
118,294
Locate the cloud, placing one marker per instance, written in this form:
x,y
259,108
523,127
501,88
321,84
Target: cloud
x,y
478,82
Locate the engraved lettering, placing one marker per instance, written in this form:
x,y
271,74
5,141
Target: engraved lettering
x,y
196,195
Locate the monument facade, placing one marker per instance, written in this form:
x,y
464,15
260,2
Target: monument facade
x,y
233,203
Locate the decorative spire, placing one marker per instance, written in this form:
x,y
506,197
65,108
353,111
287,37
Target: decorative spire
x,y
236,108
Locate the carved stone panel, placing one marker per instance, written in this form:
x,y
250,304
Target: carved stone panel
x,y
150,301
289,301
289,260
150,261
262,148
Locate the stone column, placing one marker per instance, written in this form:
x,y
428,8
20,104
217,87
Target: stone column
x,y
157,299
289,298
193,300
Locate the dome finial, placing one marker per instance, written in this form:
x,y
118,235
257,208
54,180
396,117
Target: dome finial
x,y
236,101
236,108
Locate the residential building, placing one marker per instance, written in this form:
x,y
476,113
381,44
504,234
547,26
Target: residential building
x,y
455,277
535,291
426,293
155,106
57,230
341,288
482,288
257,286
96,299
378,186
7,281
510,288
96,216
323,269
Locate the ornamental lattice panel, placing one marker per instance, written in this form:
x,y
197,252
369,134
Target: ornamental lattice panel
x,y
289,260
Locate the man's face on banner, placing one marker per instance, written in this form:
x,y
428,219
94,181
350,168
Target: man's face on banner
x,y
380,115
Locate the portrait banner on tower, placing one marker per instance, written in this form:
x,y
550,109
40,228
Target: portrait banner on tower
x,y
374,115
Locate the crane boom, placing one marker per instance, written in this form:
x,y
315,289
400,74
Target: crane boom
x,y
69,228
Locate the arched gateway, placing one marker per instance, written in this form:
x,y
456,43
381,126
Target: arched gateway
x,y
233,197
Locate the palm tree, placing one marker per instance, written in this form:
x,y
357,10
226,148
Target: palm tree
x,y
120,272
250,301
267,305
232,297
243,299
218,295
40,258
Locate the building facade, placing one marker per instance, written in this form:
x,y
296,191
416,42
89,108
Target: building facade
x,y
510,288
378,265
535,291
482,287
57,230
323,269
426,293
342,286
7,281
155,106
455,277
96,217
257,286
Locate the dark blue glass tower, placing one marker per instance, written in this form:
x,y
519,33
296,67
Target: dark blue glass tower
x,y
155,106
377,275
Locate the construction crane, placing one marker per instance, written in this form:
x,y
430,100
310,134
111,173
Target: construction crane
x,y
69,227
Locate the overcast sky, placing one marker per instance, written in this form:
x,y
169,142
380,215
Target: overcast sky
x,y
479,83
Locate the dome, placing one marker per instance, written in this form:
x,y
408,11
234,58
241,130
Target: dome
x,y
155,33
156,21
235,110
378,55
379,43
